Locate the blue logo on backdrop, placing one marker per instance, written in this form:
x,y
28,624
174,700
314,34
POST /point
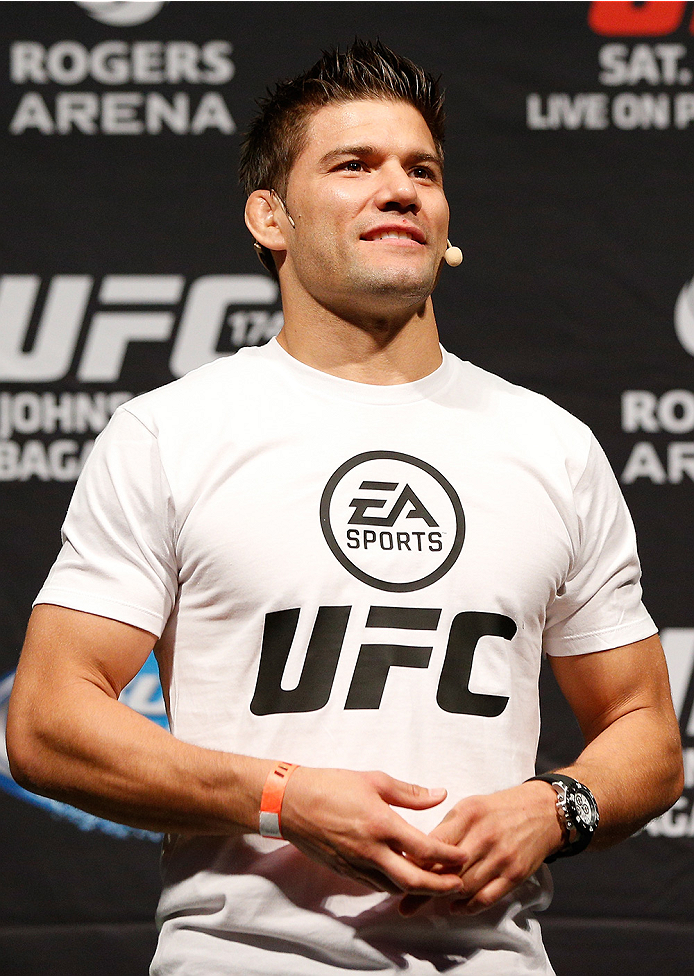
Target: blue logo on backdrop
x,y
142,694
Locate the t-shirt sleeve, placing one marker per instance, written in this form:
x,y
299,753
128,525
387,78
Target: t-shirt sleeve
x,y
118,557
599,606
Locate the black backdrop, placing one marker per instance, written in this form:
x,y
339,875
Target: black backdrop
x,y
124,262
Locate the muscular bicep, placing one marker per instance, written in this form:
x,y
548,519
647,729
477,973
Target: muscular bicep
x,y
64,648
71,663
602,687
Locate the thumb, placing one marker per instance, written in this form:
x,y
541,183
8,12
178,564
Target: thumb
x,y
450,830
401,794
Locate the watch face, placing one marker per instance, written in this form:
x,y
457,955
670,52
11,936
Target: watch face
x,y
585,813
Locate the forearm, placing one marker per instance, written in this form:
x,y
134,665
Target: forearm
x,y
632,763
69,737
633,766
632,760
634,769
111,761
96,753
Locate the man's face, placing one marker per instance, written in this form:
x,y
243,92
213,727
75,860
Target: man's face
x,y
366,194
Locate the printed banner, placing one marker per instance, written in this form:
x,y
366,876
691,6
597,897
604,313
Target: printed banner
x,y
125,263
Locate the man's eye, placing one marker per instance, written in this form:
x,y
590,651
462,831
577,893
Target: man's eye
x,y
422,173
353,166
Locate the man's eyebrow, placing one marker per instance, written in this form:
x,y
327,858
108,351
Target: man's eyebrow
x,y
414,157
427,157
347,151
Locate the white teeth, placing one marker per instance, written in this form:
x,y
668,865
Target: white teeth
x,y
398,234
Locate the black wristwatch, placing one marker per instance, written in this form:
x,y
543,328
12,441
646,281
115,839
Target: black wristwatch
x,y
577,812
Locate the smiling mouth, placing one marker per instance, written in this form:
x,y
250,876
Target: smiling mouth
x,y
397,235
392,235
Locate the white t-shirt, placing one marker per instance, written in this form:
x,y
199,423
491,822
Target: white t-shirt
x,y
352,576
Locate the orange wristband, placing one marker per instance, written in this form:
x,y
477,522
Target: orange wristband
x,y
271,800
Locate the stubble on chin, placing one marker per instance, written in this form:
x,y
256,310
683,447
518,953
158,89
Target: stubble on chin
x,y
353,289
409,283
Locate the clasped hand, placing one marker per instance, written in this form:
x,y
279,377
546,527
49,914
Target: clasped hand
x,y
503,837
483,848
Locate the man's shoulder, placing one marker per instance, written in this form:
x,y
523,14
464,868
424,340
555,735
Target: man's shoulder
x,y
489,392
215,385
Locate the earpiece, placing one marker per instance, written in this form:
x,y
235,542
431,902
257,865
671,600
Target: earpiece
x,y
259,249
283,205
453,256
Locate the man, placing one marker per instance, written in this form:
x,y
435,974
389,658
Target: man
x,y
349,550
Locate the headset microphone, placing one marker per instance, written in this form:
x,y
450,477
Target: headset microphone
x,y
263,253
283,205
453,256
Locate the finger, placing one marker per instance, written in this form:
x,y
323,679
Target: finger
x,y
426,850
483,883
375,880
453,828
412,879
487,896
401,794
369,876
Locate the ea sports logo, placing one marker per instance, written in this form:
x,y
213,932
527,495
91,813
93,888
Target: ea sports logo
x,y
392,520
121,13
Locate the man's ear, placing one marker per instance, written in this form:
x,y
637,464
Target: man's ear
x,y
262,221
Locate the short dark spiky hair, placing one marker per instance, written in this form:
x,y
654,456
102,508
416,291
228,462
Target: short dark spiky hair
x,y
277,135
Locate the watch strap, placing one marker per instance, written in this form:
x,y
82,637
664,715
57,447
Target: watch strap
x,y
583,834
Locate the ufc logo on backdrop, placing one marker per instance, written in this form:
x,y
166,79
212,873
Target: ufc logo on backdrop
x,y
53,321
374,660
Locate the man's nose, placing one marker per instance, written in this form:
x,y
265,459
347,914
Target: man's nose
x,y
397,190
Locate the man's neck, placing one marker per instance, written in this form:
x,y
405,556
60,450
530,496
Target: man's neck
x,y
379,353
